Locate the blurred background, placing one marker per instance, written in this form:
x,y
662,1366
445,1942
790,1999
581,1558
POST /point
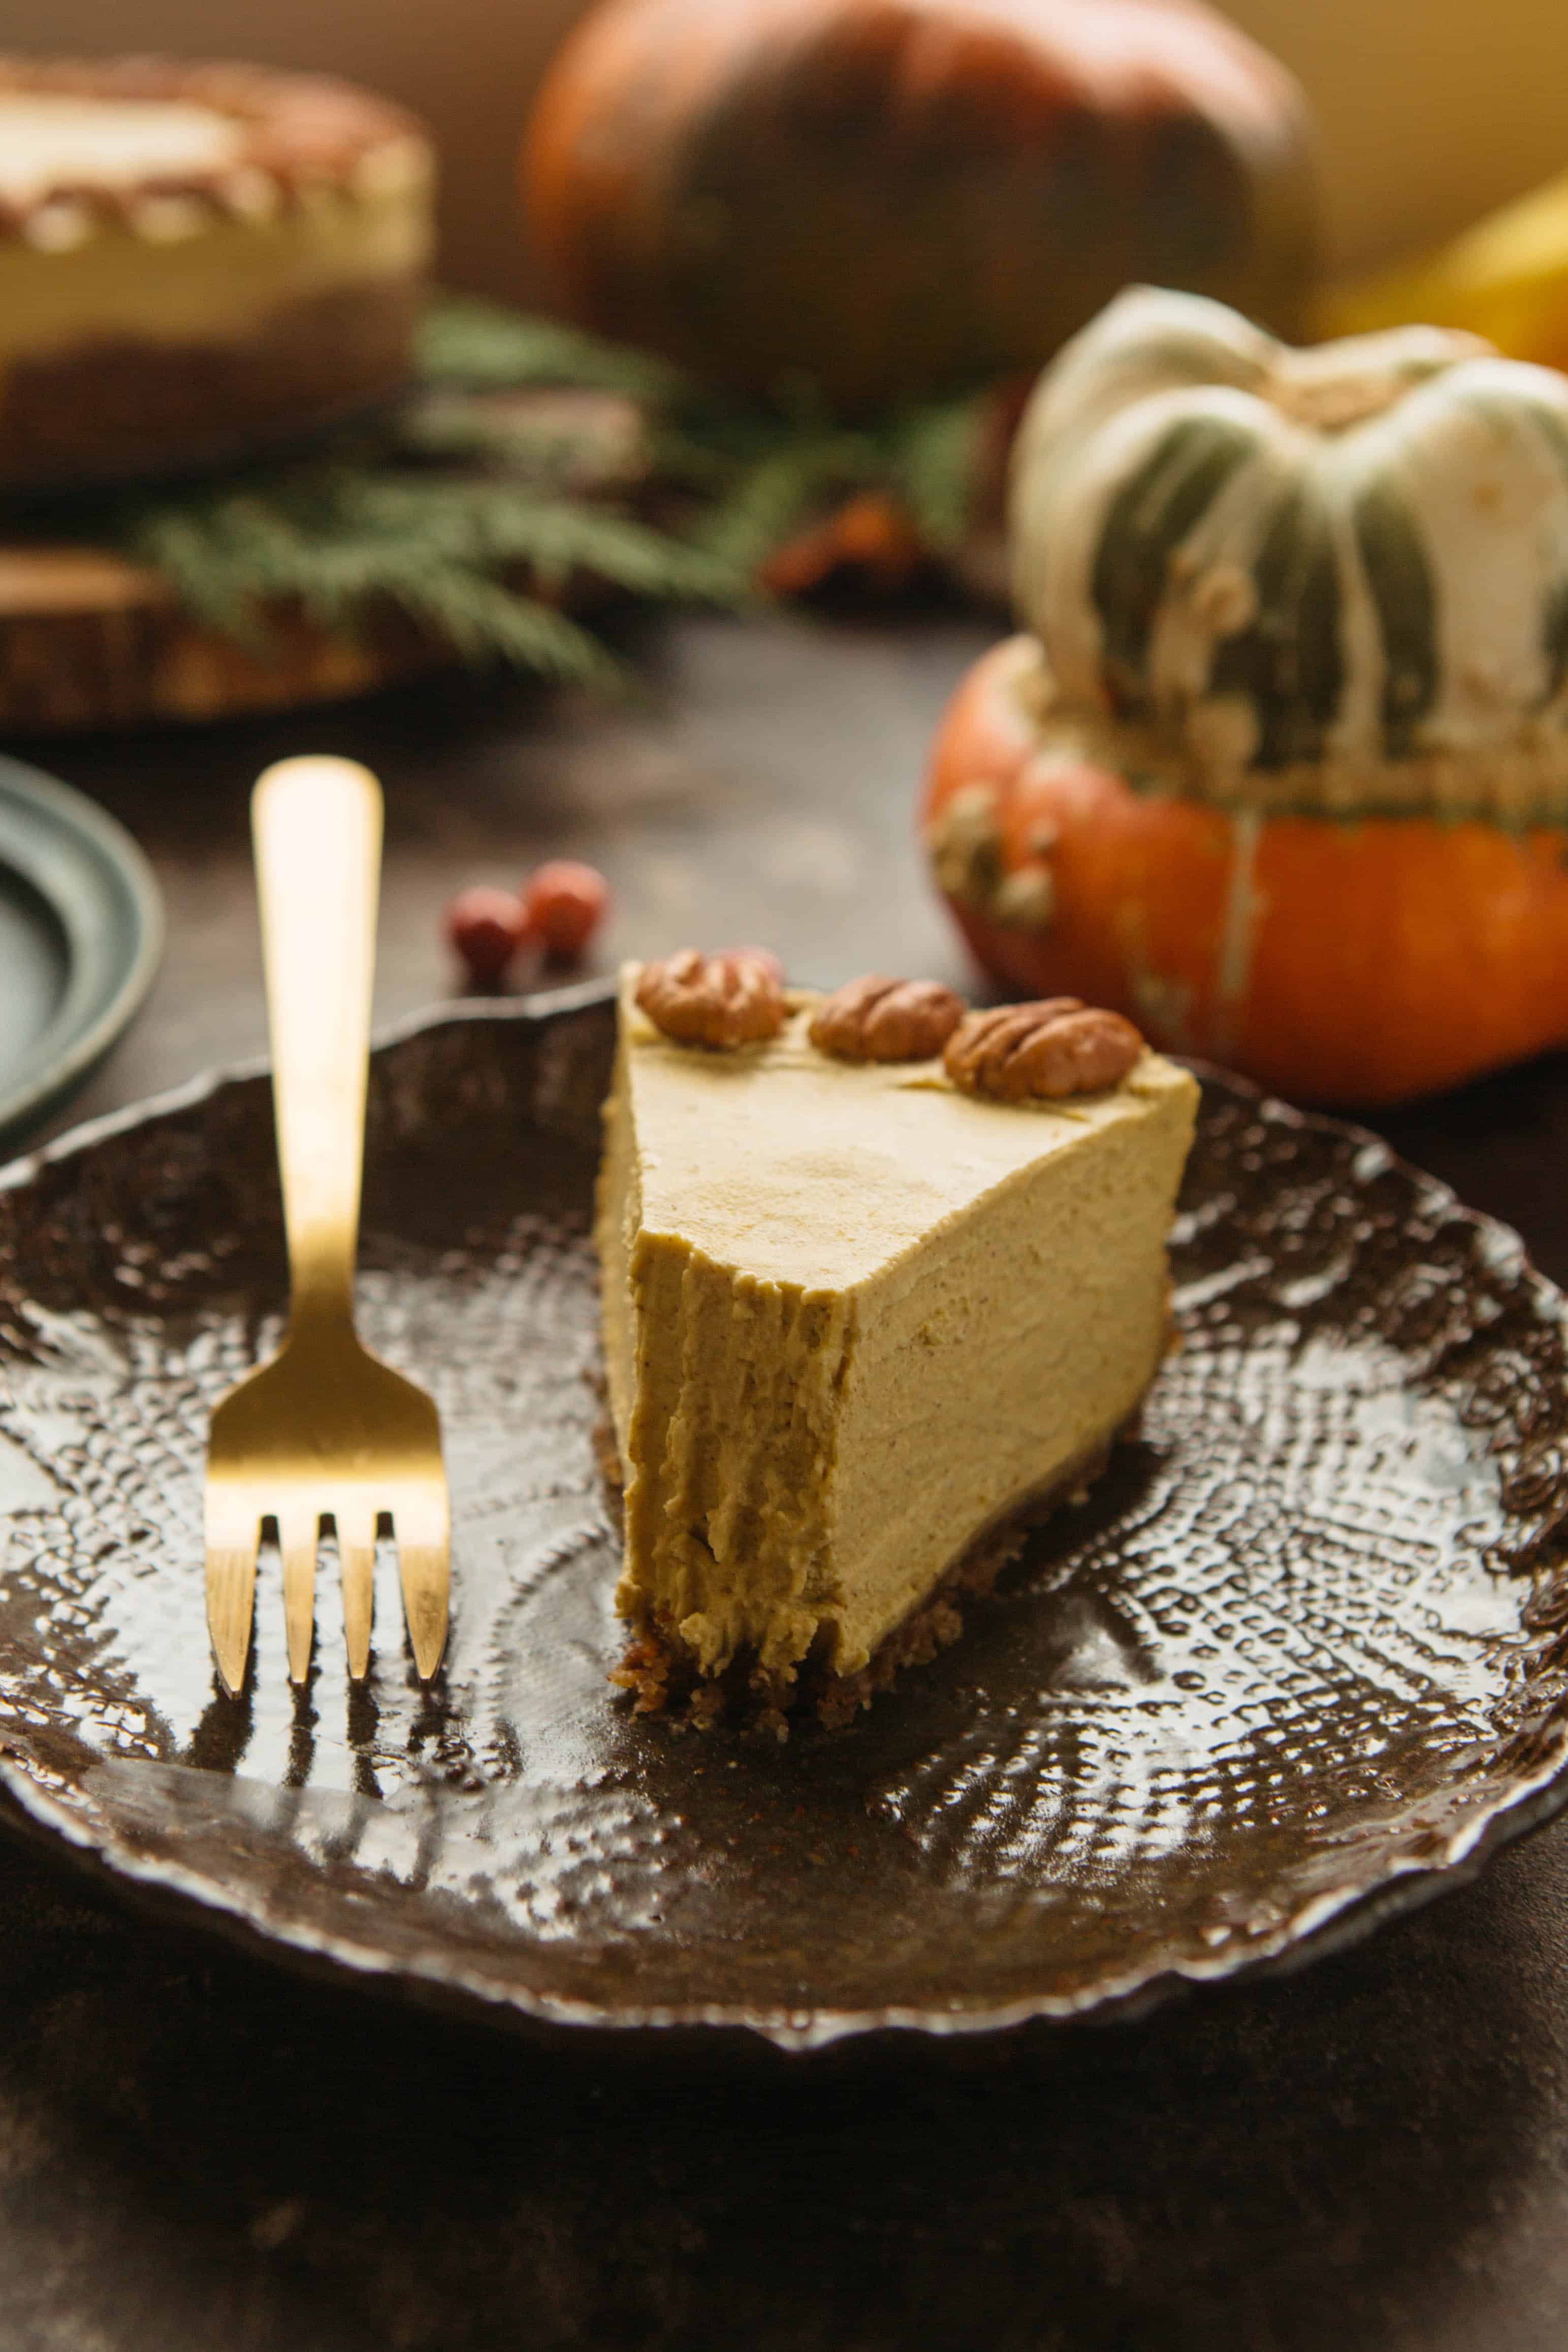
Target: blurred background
x,y
742,310
1394,84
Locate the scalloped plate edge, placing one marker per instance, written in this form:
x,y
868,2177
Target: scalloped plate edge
x,y
1330,1921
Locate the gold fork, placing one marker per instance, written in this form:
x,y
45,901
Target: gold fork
x,y
324,1431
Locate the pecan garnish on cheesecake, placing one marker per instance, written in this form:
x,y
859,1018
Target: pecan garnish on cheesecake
x,y
875,1019
719,1001
1049,1050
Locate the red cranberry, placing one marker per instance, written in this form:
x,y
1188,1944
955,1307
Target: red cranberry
x,y
563,905
485,928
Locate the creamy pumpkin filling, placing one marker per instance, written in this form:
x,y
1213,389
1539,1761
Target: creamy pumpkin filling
x,y
220,285
854,1319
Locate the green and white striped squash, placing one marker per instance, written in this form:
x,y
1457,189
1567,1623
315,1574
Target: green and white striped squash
x,y
1276,556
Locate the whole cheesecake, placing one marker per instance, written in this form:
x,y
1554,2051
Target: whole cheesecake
x,y
197,261
862,1318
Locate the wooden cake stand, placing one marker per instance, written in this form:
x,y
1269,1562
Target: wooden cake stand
x,y
90,640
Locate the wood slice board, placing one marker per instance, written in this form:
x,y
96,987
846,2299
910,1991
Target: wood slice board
x,y
89,640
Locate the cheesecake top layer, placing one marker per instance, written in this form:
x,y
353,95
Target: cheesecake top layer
x,y
815,1173
168,204
159,147
50,139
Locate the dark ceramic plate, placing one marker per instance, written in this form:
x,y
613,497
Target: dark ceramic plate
x,y
1298,1660
81,928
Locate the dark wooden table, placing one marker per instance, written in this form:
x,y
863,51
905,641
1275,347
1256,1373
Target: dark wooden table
x,y
200,2155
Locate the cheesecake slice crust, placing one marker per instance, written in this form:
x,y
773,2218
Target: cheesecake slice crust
x,y
859,1327
664,1673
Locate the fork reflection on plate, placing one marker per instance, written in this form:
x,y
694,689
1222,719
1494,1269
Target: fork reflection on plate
x,y
324,1431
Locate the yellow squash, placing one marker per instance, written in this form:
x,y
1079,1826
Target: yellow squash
x,y
1506,278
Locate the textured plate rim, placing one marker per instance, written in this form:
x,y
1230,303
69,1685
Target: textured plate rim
x,y
1333,1920
64,1054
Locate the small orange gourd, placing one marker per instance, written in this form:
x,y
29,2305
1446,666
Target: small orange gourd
x,y
1280,768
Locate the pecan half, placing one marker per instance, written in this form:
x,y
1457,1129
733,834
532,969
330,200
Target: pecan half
x,y
881,1020
1057,1047
713,1000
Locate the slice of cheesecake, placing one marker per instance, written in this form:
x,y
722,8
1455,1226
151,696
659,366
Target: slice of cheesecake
x,y
858,1321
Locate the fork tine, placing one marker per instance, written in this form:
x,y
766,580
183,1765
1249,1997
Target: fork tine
x,y
420,1523
231,1592
296,1534
355,1525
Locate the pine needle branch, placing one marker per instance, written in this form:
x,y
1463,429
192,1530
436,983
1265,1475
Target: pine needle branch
x,y
465,340
772,490
934,457
473,506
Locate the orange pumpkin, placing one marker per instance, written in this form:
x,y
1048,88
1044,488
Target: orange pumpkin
x,y
1283,767
1355,960
882,198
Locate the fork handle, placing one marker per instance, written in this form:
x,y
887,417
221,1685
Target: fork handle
x,y
317,827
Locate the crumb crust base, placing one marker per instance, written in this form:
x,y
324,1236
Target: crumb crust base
x,y
662,1676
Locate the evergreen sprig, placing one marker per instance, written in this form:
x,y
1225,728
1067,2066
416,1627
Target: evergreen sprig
x,y
465,340
764,475
342,539
471,513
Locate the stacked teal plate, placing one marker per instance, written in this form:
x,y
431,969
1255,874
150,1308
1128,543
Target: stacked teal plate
x,y
81,928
